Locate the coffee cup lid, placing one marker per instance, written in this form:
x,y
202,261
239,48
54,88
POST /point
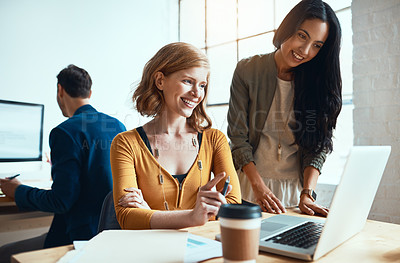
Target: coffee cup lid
x,y
239,211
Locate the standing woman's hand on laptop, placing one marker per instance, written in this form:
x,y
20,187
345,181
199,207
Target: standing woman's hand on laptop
x,y
309,207
307,197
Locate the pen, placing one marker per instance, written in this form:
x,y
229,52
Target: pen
x,y
226,186
12,177
223,192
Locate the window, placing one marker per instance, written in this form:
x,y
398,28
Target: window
x,y
229,30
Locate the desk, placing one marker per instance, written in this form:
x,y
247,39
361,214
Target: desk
x,y
7,205
16,225
378,242
6,200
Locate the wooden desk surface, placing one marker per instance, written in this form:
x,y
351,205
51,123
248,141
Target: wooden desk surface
x,y
6,199
7,205
377,242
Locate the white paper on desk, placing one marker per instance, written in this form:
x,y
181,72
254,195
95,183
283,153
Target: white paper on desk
x,y
79,244
200,248
72,255
134,246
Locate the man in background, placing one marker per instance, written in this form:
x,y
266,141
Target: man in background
x,y
81,173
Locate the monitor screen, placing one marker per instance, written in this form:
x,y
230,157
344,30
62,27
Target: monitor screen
x,y
21,131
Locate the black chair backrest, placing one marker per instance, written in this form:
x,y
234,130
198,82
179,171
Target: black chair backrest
x,y
108,218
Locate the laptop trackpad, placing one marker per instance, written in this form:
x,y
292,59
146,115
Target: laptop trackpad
x,y
272,227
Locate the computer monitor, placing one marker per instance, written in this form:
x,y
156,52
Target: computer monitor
x,y
21,131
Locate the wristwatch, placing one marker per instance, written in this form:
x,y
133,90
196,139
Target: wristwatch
x,y
310,193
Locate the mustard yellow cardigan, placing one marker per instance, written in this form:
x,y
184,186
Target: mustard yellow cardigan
x,y
133,165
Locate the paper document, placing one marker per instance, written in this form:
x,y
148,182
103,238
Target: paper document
x,y
79,244
200,248
132,246
144,246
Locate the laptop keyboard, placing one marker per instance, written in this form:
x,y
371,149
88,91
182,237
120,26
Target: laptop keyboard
x,y
302,236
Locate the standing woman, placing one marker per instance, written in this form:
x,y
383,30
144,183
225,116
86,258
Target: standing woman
x,y
162,170
283,109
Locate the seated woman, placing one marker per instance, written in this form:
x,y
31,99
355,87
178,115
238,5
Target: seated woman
x,y
162,171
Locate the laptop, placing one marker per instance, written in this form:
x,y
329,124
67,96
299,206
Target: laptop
x,y
351,203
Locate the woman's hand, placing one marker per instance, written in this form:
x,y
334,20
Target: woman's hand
x,y
264,196
133,198
208,201
308,207
267,200
306,204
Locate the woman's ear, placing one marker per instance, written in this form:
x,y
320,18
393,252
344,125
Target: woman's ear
x,y
159,80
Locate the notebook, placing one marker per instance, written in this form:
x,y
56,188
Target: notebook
x,y
351,203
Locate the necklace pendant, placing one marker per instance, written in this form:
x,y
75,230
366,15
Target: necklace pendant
x,y
200,165
279,152
194,142
156,153
166,205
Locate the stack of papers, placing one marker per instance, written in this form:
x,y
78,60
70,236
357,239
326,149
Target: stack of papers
x,y
144,246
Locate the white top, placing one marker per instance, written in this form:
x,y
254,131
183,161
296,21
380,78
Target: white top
x,y
281,176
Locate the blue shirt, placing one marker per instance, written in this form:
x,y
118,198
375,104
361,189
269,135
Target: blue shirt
x,y
81,172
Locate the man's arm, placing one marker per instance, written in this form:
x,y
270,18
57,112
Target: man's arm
x,y
65,190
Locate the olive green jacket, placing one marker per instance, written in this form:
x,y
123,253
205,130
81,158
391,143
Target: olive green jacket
x,y
252,91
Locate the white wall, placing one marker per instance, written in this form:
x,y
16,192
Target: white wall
x,y
112,40
376,63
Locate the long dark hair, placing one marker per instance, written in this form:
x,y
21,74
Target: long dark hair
x,y
317,83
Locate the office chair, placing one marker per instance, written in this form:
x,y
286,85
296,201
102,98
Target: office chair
x,y
108,218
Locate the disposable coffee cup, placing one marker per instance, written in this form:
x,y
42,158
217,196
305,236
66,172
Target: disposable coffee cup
x,y
240,232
